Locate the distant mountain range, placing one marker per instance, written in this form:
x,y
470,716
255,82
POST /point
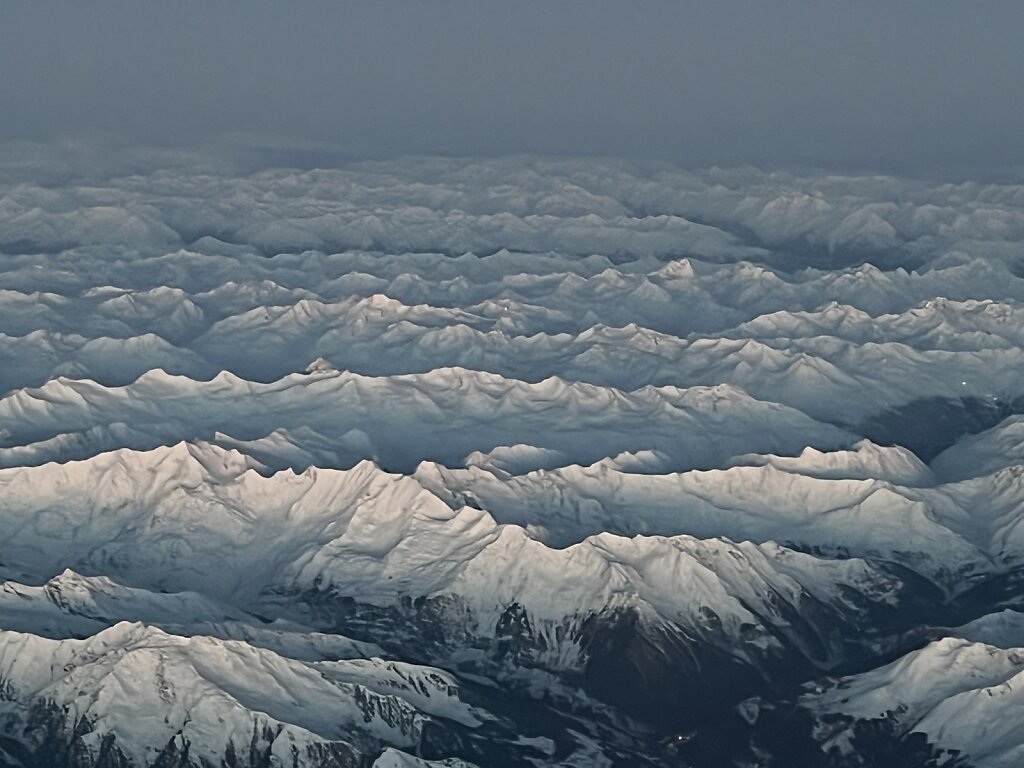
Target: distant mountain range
x,y
523,462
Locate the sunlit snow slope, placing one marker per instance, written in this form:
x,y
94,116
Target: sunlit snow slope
x,y
507,463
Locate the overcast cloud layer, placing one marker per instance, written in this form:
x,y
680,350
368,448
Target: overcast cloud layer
x,y
926,88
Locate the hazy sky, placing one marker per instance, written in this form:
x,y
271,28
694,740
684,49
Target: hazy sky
x,y
918,87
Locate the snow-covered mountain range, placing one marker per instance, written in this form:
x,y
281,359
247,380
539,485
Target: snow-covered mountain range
x,y
516,462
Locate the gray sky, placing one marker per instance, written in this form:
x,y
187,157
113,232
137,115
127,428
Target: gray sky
x,y
932,87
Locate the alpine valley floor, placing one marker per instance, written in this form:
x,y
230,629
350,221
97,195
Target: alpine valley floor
x,y
517,462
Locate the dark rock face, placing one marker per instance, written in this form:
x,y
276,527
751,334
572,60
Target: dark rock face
x,y
660,676
931,425
53,741
659,694
50,741
662,679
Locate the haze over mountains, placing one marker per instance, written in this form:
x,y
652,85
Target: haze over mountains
x,y
507,462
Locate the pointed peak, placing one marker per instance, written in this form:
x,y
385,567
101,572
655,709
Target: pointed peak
x,y
321,365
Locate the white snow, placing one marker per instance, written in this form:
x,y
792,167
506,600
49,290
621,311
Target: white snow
x,y
575,386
